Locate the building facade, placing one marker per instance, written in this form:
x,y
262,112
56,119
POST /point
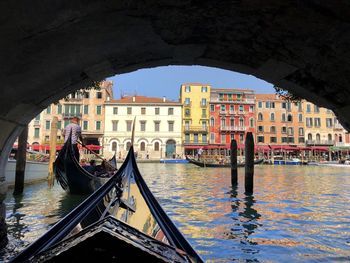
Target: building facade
x,y
279,121
232,115
86,104
158,130
195,98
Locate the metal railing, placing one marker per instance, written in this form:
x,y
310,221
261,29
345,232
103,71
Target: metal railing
x,y
194,142
196,128
233,128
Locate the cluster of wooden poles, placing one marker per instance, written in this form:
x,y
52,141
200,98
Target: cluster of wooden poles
x,y
249,163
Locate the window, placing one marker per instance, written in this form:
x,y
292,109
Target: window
x,y
204,138
187,112
329,122
128,125
318,137
142,146
241,108
284,139
156,111
290,118
340,138
229,97
261,139
36,132
187,138
204,125
308,122
212,137
99,95
143,111
187,88
47,125
260,116
212,107
212,122
272,129
171,126
284,105
156,126
195,137
156,146
272,105
267,104
48,110
260,104
232,122
204,113
301,140
316,109
300,108
204,102
317,122
329,137
86,95
273,139
260,128
98,125
241,122
114,146
223,123
301,131
86,109
283,117
170,111
128,145
222,108
114,125
59,109
85,125
251,123
204,89
309,137
308,108
300,117
129,110
187,125
115,110
187,101
284,130
241,138
251,108
272,116
98,109
223,138
290,131
221,97
143,126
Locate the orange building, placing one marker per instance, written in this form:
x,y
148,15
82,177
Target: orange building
x,y
279,122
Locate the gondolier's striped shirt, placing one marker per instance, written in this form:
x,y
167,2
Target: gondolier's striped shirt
x,y
74,129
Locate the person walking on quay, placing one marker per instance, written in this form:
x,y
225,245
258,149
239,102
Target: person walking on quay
x,y
74,129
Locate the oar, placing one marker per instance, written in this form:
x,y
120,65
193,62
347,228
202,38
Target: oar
x,y
98,156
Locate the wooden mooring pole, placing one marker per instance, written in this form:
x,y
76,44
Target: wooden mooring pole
x,y
234,180
53,139
249,163
21,157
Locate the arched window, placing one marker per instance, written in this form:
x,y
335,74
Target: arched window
x,y
340,138
156,146
329,137
318,137
114,146
290,117
272,117
142,146
301,131
241,122
223,122
283,117
300,117
260,117
309,137
232,122
251,123
212,122
128,145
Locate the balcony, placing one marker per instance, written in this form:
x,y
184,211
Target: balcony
x,y
223,112
196,128
233,128
71,115
203,105
36,123
337,126
241,101
194,142
188,104
320,142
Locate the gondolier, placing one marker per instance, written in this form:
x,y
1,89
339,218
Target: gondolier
x,y
74,129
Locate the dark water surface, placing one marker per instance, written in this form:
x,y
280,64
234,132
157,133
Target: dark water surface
x,y
297,214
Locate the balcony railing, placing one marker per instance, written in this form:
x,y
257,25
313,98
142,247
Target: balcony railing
x,y
319,142
193,142
233,128
71,115
196,128
243,101
338,126
188,104
36,122
201,104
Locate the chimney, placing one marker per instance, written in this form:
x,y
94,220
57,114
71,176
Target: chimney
x,y
133,99
163,98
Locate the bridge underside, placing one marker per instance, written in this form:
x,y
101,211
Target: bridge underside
x,y
48,49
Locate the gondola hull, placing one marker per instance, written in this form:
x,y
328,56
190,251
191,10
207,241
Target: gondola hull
x,y
71,176
217,165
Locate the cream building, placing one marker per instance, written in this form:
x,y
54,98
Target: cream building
x,y
157,130
88,105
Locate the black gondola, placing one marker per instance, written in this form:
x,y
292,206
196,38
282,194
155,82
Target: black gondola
x,y
121,221
217,165
72,176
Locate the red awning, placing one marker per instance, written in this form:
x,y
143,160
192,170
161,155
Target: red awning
x,y
192,147
44,147
93,147
320,148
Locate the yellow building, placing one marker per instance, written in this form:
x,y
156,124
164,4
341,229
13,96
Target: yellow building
x,y
195,99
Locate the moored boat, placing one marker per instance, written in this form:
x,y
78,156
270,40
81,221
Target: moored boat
x,y
216,164
120,221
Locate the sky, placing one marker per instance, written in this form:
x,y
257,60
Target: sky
x,y
166,81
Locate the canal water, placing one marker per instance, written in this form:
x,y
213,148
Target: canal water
x,y
297,213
